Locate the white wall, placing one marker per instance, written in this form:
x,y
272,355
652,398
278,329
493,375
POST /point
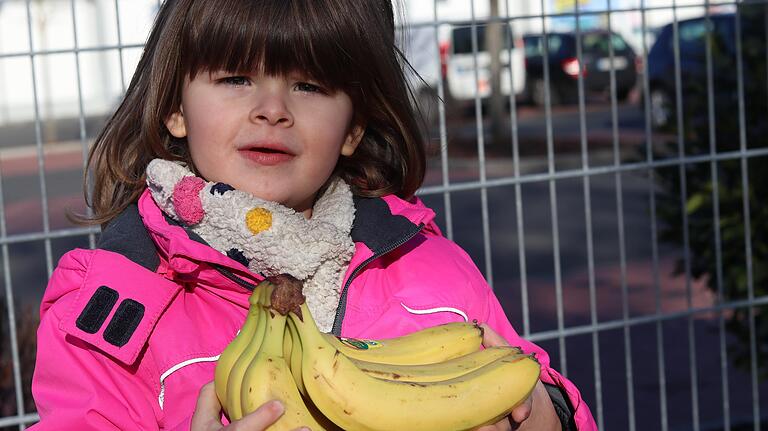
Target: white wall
x,y
53,29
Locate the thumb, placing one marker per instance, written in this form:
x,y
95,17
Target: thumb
x,y
261,419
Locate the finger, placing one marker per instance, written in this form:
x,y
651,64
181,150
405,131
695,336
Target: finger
x,y
491,337
207,411
522,412
263,417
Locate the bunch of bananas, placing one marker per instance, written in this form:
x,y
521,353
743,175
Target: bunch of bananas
x,y
434,379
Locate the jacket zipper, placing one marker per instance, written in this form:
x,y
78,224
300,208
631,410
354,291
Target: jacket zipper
x,y
228,274
341,309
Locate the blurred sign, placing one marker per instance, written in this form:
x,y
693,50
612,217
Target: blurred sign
x,y
588,20
561,6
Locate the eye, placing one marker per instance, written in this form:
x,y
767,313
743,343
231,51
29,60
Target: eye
x,y
309,88
236,81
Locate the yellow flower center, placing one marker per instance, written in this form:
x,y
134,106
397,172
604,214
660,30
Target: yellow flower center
x,y
258,220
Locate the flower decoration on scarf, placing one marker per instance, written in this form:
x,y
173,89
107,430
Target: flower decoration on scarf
x,y
266,237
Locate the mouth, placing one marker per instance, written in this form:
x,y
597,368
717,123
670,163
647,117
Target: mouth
x,y
266,155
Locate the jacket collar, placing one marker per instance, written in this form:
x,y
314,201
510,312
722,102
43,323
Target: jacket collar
x,y
126,235
382,222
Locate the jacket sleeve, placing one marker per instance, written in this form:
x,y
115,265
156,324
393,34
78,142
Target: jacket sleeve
x,y
570,407
75,385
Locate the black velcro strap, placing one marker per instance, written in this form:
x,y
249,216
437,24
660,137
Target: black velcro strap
x,y
97,309
124,322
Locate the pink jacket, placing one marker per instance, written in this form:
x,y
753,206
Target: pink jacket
x,y
130,331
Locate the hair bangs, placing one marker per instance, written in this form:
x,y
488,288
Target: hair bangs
x,y
275,38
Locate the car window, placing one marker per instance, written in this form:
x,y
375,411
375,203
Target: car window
x,y
534,47
462,39
598,43
619,45
594,43
692,36
555,42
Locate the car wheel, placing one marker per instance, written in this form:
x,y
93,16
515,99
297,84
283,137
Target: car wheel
x,y
661,108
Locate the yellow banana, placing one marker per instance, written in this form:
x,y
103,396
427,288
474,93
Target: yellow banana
x,y
295,356
427,346
449,369
356,401
235,380
287,343
268,377
233,351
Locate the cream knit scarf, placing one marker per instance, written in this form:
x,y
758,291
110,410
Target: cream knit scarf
x,y
265,236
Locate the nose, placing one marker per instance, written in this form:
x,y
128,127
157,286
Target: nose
x,y
271,108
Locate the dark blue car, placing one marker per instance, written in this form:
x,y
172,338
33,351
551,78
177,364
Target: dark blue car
x,y
662,72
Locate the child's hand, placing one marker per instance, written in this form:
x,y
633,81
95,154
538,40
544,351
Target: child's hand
x,y
208,412
535,413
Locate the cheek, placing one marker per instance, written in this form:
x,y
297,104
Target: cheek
x,y
203,122
338,123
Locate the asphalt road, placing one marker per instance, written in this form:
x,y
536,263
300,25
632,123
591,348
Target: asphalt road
x,y
21,191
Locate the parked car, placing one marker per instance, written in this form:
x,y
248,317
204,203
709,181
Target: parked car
x,y
693,64
449,55
565,67
457,58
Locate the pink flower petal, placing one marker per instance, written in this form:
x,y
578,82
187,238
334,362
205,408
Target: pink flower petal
x,y
186,200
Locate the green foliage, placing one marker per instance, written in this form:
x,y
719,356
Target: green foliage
x,y
730,188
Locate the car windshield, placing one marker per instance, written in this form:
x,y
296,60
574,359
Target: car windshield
x,y
462,39
591,43
693,35
598,43
534,46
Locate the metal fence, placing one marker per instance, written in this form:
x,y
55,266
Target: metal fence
x,y
610,239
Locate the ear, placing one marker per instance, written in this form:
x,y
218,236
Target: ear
x,y
354,137
176,125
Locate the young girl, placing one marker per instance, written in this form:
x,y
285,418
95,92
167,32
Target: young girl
x,y
257,137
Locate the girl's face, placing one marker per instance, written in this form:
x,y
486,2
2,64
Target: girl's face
x,y
276,137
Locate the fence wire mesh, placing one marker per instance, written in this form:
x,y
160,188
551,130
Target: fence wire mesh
x,y
600,160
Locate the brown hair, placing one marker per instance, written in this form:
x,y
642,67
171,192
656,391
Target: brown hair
x,y
347,45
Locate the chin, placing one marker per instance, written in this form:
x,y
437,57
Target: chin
x,y
266,196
